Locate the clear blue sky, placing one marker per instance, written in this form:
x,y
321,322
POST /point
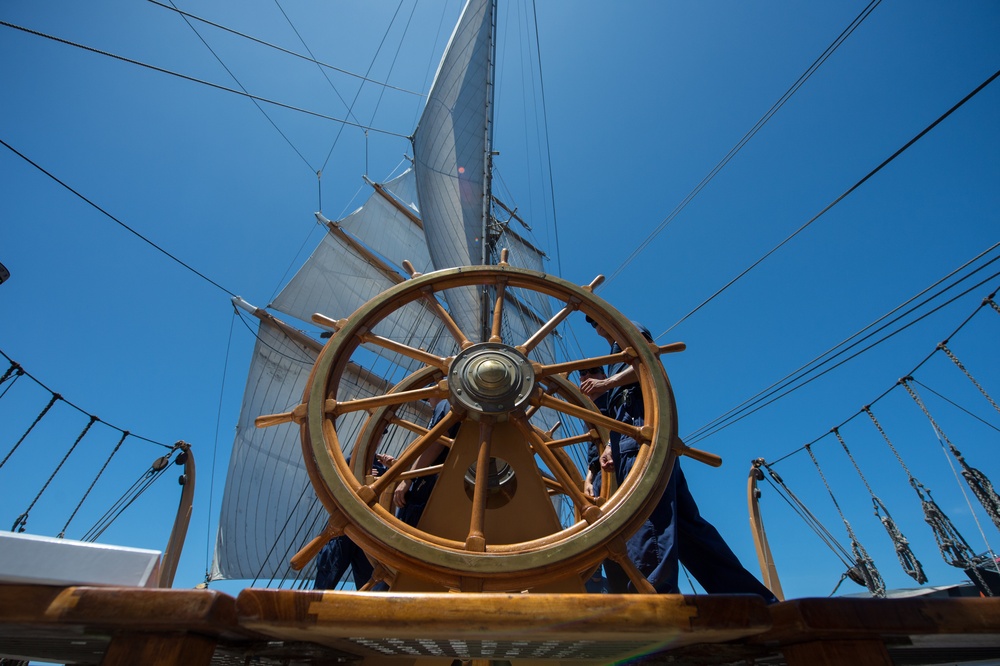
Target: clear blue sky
x,y
642,100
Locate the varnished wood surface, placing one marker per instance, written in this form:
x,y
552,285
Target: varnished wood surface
x,y
830,632
116,625
676,619
149,609
157,626
842,618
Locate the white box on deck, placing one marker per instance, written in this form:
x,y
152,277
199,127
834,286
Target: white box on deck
x,y
26,558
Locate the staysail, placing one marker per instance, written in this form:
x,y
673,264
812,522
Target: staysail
x,y
435,215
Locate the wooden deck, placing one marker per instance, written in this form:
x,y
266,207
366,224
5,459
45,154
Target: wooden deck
x,y
109,625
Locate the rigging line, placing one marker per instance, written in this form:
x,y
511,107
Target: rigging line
x,y
808,517
254,333
548,145
976,480
296,540
243,88
867,407
731,417
431,68
957,406
76,407
215,447
55,398
357,94
953,333
201,81
746,137
23,518
816,363
92,534
284,50
350,111
294,261
951,355
843,196
116,220
849,358
12,369
17,371
907,560
142,489
62,533
270,551
864,563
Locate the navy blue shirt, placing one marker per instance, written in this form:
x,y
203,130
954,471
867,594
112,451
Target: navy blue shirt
x,y
625,403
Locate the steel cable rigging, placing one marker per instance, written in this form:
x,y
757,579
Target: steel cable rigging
x,y
14,372
836,201
202,81
953,547
746,138
788,384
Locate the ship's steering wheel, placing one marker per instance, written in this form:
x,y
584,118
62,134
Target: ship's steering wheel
x,y
494,388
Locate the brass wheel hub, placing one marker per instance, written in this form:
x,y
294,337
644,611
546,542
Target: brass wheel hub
x,y
491,379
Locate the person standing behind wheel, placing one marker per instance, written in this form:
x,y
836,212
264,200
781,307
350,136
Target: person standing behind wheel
x,y
613,578
411,495
675,531
592,484
340,552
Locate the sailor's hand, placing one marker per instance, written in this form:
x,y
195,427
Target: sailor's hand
x,y
385,459
607,462
399,495
594,388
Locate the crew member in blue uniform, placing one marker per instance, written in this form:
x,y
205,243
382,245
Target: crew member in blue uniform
x,y
675,531
411,495
592,484
340,552
609,577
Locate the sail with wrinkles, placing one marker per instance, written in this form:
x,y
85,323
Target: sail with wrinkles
x,y
434,216
451,147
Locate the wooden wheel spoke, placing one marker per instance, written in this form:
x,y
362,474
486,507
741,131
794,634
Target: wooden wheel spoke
x,y
421,471
628,355
498,312
590,416
476,541
425,357
417,429
569,441
456,332
547,328
588,510
405,461
335,408
548,390
618,553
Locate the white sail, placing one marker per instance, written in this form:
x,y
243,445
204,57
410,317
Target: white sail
x,y
266,484
269,508
451,145
389,223
340,277
433,216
